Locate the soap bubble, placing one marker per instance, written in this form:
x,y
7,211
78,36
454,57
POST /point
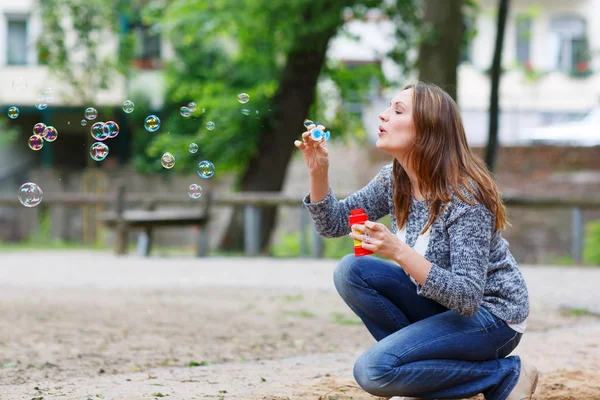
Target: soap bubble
x,y
128,106
243,98
203,110
91,113
193,148
41,103
245,111
20,84
50,134
152,123
192,106
97,131
30,194
167,160
13,112
206,169
210,125
327,135
195,191
316,134
185,111
36,142
83,122
48,95
111,129
39,128
98,151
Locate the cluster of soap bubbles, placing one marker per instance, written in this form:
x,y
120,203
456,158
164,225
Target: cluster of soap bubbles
x,y
30,194
41,133
186,111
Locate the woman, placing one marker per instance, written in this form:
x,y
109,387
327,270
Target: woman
x,y
451,305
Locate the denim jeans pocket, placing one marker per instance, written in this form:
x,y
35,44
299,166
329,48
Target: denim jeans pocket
x,y
509,346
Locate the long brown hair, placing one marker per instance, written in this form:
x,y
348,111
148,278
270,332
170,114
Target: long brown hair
x,y
442,160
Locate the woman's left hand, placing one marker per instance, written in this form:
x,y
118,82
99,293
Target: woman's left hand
x,y
377,238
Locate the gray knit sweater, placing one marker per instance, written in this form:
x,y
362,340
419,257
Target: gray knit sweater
x,y
471,262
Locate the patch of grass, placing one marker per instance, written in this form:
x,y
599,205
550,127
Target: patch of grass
x,y
342,319
578,312
299,313
159,394
199,364
293,298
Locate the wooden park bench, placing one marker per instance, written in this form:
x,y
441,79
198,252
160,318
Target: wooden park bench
x,y
149,219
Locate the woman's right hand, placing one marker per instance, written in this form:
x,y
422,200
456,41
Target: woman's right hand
x,y
315,152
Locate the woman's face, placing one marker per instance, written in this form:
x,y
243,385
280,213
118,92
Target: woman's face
x,y
396,132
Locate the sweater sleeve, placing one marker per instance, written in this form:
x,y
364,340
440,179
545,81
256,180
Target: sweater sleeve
x,y
461,289
331,215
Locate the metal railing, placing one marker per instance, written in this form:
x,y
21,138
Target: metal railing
x,y
253,202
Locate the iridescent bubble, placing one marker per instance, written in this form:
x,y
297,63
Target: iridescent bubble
x,y
193,148
13,112
30,194
152,123
41,103
19,84
36,142
48,95
316,134
98,151
245,111
50,134
90,113
327,135
203,110
195,191
83,122
243,98
192,106
39,128
128,106
206,169
111,129
185,111
210,125
97,131
167,160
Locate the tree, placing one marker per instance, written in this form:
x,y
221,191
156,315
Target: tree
x,y
491,150
273,51
439,51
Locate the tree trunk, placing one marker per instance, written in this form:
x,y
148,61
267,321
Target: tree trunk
x,y
267,168
439,53
491,150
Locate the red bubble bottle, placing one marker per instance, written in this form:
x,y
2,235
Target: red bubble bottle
x,y
358,216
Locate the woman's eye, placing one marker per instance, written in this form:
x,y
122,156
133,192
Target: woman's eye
x,y
398,112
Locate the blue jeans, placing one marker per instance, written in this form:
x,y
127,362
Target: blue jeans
x,y
424,349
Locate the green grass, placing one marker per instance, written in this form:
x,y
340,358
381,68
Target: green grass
x,y
341,319
299,313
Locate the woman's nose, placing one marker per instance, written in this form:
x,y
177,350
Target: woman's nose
x,y
382,117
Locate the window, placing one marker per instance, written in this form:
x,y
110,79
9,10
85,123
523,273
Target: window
x,y
16,41
569,43
148,47
523,36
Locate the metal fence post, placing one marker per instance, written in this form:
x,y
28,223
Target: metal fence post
x,y
251,230
577,235
317,244
303,223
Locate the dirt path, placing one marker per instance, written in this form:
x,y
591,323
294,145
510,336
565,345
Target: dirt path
x,y
81,325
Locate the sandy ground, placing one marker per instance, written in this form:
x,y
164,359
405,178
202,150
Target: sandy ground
x,y
82,325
